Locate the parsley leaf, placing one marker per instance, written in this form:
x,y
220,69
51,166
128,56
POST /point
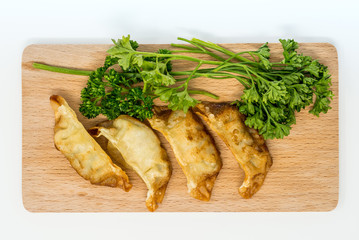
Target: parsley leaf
x,y
273,91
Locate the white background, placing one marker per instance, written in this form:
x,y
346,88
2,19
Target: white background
x,y
26,22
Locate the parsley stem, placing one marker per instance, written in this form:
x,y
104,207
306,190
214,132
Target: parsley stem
x,y
184,79
72,71
269,117
215,75
197,49
219,49
192,73
186,51
61,69
176,57
183,46
205,93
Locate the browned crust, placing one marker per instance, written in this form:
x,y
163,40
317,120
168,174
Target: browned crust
x,y
260,145
162,112
222,112
156,194
113,179
256,183
116,178
157,197
94,131
56,101
203,190
204,187
215,108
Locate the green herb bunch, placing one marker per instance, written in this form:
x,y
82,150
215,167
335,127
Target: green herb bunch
x,y
112,93
155,72
273,91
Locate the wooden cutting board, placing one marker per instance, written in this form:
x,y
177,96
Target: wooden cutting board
x,y
304,175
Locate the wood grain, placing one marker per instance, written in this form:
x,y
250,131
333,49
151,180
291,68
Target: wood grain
x,y
304,176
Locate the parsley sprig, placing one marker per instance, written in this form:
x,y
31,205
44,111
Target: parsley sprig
x,y
155,71
273,91
112,93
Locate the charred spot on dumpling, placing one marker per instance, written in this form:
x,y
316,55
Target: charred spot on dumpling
x,y
189,135
94,131
215,108
162,112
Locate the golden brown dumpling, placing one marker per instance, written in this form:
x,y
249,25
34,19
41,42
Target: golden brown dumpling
x,y
193,147
140,149
84,153
246,144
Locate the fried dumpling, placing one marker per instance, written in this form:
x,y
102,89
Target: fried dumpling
x,y
193,148
140,149
247,146
84,153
